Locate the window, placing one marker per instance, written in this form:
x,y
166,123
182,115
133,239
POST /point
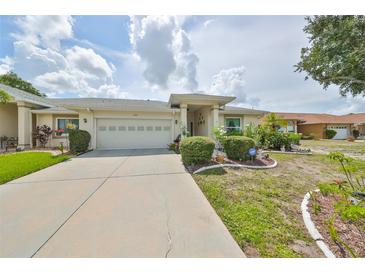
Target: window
x,y
66,124
232,124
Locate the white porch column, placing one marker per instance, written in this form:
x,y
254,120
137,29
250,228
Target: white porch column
x,y
215,119
24,125
183,117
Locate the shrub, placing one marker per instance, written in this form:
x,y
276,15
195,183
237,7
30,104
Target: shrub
x,y
234,132
79,140
237,147
42,134
311,136
196,150
173,147
330,133
294,138
350,139
356,133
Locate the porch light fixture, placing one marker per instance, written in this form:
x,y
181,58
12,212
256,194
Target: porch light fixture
x,y
85,120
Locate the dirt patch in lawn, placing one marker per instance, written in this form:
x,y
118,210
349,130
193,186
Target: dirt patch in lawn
x,y
348,233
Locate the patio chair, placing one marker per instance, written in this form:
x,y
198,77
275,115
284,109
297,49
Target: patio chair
x,y
12,142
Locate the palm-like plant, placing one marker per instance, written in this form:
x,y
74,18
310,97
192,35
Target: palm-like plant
x,y
274,121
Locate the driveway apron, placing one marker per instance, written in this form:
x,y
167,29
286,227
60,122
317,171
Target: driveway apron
x,y
117,203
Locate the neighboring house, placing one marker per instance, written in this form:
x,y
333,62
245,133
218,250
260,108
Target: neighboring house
x,y
121,123
316,124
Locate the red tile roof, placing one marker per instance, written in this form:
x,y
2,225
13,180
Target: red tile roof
x,y
321,118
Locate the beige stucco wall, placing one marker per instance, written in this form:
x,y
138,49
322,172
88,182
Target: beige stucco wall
x,y
9,120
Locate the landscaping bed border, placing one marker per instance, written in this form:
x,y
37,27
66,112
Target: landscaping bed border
x,y
236,166
313,231
287,152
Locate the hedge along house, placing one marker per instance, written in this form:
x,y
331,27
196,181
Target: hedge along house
x,y
121,123
316,124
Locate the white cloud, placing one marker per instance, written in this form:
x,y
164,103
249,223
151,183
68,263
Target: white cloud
x,y
39,58
45,31
6,64
229,82
87,61
164,48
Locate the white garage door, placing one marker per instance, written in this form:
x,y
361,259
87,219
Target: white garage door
x,y
341,132
132,133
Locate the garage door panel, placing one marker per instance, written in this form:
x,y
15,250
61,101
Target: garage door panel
x,y
133,133
341,132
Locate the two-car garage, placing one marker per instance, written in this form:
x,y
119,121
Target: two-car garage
x,y
133,133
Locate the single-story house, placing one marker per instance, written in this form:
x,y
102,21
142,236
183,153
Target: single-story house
x,y
121,123
316,124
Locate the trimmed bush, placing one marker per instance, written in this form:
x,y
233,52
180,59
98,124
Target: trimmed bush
x,y
330,133
237,147
294,138
356,133
196,150
79,140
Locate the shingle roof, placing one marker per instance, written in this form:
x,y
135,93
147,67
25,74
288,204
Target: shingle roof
x,y
322,118
55,110
238,110
20,95
111,104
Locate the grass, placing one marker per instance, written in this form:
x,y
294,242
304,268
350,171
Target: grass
x,y
335,145
16,165
261,208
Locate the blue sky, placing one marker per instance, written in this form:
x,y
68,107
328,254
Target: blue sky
x,y
148,57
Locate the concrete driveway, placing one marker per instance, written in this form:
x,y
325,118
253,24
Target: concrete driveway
x,y
119,203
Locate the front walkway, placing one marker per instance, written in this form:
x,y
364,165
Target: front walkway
x,y
124,203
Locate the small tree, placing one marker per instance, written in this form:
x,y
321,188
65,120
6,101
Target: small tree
x,y
42,134
274,121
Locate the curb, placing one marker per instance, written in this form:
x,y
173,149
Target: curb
x,y
235,165
317,237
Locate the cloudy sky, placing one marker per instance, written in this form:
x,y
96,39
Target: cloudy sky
x,y
250,57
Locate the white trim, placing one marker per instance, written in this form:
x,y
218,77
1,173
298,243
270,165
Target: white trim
x,y
317,237
235,166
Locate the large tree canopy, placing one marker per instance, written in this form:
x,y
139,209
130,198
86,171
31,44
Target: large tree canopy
x,y
13,80
336,52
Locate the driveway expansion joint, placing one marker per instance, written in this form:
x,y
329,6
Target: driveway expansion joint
x,y
169,238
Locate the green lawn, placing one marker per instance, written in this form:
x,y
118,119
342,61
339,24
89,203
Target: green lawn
x,y
261,208
335,145
16,165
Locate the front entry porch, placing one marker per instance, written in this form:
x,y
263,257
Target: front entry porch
x,y
199,113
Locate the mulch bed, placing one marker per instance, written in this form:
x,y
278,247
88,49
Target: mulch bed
x,y
348,232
